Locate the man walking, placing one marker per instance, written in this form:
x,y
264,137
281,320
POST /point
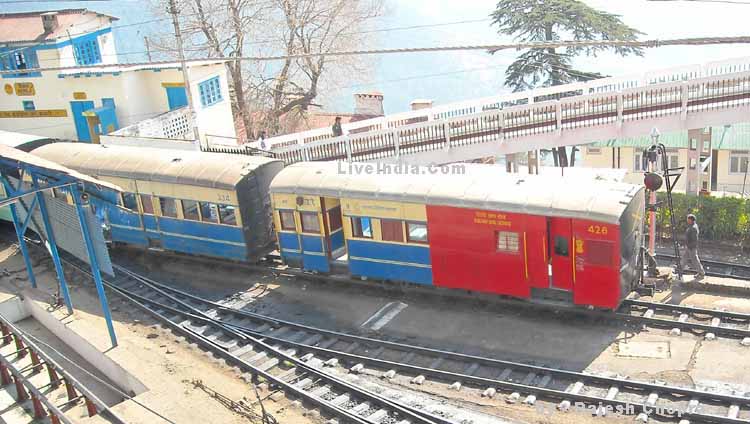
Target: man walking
x,y
690,256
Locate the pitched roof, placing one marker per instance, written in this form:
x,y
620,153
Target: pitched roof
x,y
27,26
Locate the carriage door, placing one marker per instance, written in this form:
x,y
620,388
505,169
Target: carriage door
x,y
561,251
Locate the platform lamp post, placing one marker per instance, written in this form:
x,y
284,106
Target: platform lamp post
x,y
652,197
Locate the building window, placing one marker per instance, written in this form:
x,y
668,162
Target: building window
x,y
227,215
14,59
361,227
148,207
210,91
507,241
287,220
638,165
168,207
738,162
28,105
674,161
190,210
334,219
392,230
208,212
594,150
87,51
310,222
416,232
129,201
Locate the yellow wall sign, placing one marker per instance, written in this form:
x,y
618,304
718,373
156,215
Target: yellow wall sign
x,y
489,218
79,95
8,89
42,113
24,89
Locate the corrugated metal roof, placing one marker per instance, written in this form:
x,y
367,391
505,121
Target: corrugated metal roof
x,y
118,68
14,155
27,26
213,170
14,139
737,138
481,186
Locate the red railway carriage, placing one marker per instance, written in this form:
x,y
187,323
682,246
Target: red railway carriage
x,y
526,236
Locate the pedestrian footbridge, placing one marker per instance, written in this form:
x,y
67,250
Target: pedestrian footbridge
x,y
688,97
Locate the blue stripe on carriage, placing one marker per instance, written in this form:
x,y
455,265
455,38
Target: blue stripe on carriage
x,y
414,254
288,241
312,243
390,271
201,229
337,240
129,235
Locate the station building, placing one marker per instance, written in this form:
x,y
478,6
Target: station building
x,y
86,102
715,158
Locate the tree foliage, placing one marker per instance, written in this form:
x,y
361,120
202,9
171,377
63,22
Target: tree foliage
x,y
553,20
263,92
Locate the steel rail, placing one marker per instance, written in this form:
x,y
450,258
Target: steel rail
x,y
188,313
717,268
371,349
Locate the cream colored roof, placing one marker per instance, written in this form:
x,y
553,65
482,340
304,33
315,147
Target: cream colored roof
x,y
481,187
141,163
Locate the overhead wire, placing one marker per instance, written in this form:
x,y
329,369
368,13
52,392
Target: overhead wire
x,y
695,41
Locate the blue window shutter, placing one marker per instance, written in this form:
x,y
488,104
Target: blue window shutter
x,y
210,91
87,51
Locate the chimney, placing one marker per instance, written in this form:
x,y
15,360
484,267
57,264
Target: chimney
x,y
418,104
49,21
368,104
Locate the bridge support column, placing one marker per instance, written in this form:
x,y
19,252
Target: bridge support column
x,y
510,163
534,162
699,153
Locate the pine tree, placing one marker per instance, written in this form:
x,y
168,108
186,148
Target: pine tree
x,y
553,20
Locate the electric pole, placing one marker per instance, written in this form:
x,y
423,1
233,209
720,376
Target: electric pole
x,y
148,48
172,10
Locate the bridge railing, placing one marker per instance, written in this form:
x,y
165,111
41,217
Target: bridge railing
x,y
548,117
475,106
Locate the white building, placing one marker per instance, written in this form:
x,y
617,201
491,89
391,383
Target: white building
x,y
56,103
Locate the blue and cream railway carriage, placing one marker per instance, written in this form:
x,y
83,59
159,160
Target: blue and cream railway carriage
x,y
191,202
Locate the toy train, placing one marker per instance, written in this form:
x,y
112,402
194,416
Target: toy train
x,y
476,229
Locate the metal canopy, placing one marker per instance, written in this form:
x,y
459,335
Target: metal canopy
x,y
27,181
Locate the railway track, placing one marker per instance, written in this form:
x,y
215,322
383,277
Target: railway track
x,y
489,377
716,268
278,364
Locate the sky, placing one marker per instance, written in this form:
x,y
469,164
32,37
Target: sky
x,y
456,76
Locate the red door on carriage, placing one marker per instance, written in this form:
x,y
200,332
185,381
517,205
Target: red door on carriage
x,y
561,253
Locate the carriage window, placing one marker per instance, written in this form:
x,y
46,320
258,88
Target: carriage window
x,y
599,253
129,201
226,215
561,246
334,219
208,212
168,207
361,227
190,210
507,241
148,207
416,232
310,223
58,193
392,230
287,220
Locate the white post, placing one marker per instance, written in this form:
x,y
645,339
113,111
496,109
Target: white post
x,y
396,142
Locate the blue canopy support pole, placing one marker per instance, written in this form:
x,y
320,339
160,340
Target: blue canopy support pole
x,y
29,214
76,194
53,246
17,224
